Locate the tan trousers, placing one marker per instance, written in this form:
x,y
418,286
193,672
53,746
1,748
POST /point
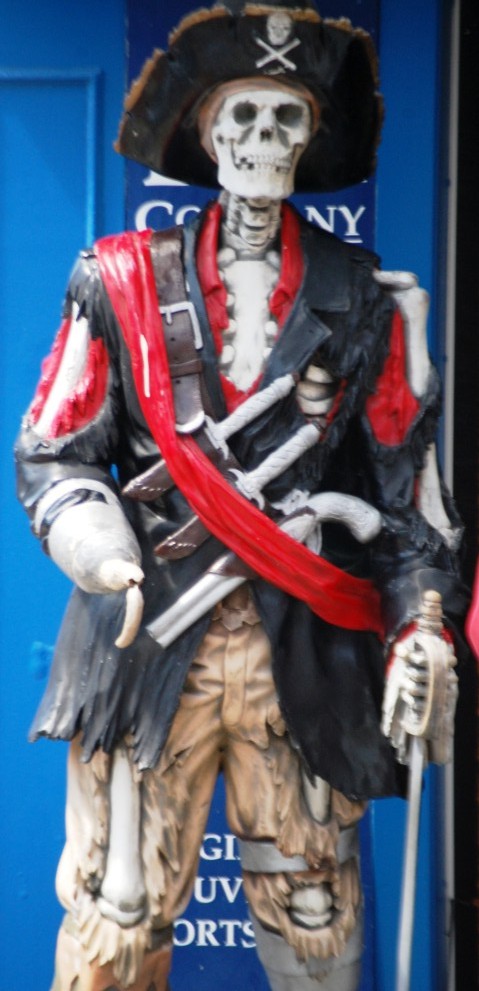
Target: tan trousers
x,y
228,719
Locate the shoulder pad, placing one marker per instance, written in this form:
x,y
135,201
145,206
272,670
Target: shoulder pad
x,y
363,256
85,287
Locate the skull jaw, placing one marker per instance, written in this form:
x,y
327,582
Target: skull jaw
x,y
270,182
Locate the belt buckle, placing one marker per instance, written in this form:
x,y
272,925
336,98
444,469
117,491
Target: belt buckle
x,y
185,306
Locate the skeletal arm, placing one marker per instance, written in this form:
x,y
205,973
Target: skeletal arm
x,y
65,449
422,534
413,303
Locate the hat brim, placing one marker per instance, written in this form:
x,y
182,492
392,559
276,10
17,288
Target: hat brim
x,y
334,61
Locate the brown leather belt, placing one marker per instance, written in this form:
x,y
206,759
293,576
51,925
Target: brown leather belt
x,y
182,335
181,329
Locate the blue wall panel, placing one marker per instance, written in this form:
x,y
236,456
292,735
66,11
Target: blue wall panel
x,y
35,189
61,76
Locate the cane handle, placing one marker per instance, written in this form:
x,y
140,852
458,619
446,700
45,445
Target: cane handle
x,y
433,654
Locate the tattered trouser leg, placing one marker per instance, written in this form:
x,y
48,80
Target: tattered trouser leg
x,y
292,946
228,718
96,952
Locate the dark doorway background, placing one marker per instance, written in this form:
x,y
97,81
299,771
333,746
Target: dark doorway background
x,y
466,488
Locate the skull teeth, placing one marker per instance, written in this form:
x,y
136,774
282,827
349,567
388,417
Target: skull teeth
x,y
263,164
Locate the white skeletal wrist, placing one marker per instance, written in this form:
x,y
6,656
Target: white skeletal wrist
x,y
419,701
95,546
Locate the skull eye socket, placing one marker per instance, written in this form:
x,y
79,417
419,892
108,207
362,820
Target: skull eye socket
x,y
244,113
289,114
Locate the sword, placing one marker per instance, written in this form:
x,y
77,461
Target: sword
x,y
157,479
417,765
223,576
248,483
428,729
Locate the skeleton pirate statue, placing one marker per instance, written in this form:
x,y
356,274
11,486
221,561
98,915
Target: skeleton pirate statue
x,y
274,519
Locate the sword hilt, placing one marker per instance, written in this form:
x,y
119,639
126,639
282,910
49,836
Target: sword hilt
x,y
430,708
251,483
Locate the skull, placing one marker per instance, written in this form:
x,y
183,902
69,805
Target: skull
x,y
257,138
279,27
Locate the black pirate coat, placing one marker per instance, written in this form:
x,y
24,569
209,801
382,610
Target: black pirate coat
x,y
329,677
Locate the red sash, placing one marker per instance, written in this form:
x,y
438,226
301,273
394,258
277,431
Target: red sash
x,y
339,598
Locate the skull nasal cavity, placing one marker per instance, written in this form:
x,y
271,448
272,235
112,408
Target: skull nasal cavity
x,y
266,133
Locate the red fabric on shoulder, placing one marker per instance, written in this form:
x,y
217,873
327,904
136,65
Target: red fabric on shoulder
x,y
392,408
84,402
50,367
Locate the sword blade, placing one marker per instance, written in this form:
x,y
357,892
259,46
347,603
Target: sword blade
x,y
214,586
192,605
408,897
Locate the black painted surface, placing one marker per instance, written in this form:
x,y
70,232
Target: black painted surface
x,y
466,476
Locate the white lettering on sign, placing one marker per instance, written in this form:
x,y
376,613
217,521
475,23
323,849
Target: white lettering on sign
x,y
229,933
217,847
351,220
216,888
315,217
207,888
350,232
338,220
145,214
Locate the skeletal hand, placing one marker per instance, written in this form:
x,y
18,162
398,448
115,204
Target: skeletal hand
x,y
416,681
420,696
116,575
413,301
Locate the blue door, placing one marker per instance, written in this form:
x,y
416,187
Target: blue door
x,y
61,79
61,185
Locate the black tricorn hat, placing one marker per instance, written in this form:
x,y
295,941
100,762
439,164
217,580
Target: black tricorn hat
x,y
287,41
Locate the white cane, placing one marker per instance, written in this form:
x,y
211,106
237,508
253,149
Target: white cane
x,y
428,731
417,763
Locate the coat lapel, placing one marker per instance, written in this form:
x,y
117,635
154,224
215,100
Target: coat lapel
x,y
324,290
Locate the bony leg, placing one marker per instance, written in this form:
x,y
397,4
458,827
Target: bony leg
x,y
317,947
122,895
286,973
311,906
116,948
317,793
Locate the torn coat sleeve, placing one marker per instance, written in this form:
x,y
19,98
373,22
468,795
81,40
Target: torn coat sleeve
x,y
412,554
69,435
